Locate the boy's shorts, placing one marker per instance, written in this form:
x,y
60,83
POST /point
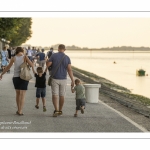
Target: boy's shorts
x,y
40,92
80,103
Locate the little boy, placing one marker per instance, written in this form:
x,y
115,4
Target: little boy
x,y
80,96
41,86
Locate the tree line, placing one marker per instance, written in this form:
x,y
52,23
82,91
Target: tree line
x,y
15,30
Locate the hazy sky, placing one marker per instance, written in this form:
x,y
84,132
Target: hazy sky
x,y
91,32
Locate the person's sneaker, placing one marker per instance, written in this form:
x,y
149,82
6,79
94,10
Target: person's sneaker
x,y
60,113
44,108
55,114
36,106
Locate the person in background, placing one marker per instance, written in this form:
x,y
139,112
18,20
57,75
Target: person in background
x,y
13,52
9,52
59,79
49,54
29,54
80,96
40,85
4,57
42,58
9,56
20,85
34,55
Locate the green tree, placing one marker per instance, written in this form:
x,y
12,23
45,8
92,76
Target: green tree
x,y
16,30
23,33
8,26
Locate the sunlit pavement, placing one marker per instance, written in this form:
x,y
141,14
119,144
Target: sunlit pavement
x,y
97,117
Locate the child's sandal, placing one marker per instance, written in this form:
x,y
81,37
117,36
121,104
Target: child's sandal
x,y
75,115
36,106
44,108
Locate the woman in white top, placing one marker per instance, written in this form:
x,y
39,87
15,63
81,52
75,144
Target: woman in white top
x,y
19,84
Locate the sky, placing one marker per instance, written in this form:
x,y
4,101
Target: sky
x,y
90,32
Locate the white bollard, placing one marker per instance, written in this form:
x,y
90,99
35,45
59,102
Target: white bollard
x,y
92,92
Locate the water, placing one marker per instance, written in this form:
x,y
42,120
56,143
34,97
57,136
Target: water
x,y
122,73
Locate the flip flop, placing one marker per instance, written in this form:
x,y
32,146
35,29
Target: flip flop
x,y
19,114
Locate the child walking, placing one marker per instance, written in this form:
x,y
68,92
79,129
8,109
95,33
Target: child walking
x,y
80,96
40,85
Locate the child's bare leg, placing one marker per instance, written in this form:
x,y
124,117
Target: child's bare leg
x,y
44,108
82,107
44,101
37,103
76,112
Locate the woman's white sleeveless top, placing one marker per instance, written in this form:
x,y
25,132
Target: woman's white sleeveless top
x,y
18,61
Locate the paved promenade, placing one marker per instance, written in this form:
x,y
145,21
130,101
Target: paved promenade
x,y
97,117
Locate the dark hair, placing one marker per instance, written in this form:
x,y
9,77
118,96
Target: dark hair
x,y
77,81
61,46
19,49
39,70
42,50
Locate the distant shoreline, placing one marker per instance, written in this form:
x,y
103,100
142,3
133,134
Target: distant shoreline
x,y
99,50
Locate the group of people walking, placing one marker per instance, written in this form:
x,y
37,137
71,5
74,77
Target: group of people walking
x,y
59,64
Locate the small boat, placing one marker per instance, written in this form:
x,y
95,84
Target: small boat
x,y
140,72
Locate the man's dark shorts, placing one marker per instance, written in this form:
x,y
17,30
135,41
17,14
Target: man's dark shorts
x,y
80,103
40,92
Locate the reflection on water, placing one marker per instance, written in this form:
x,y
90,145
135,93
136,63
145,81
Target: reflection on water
x,y
122,73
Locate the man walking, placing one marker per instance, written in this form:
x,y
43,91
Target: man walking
x,y
59,78
34,55
49,54
29,54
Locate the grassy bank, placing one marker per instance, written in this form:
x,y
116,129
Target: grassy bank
x,y
102,80
111,85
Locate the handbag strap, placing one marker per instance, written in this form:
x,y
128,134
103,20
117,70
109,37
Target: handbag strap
x,y
58,65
